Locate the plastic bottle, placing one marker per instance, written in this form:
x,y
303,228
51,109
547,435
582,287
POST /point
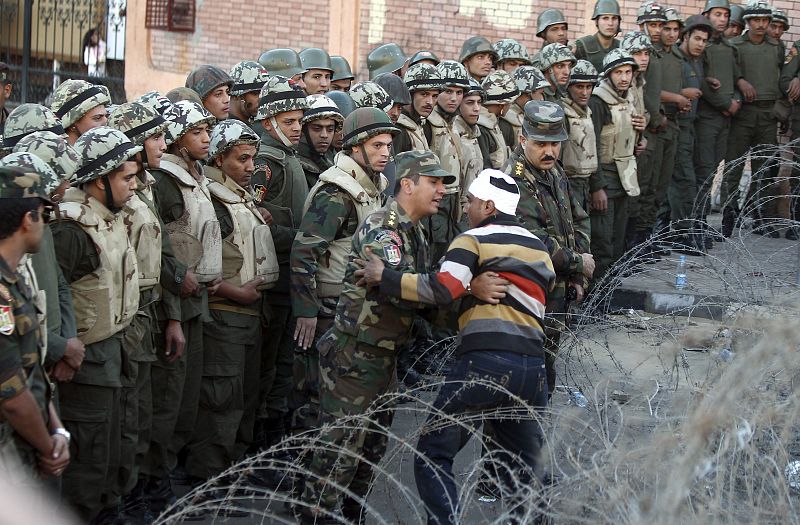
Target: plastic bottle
x,y
680,274
577,398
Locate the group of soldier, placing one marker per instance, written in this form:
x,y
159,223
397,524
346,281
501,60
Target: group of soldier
x,y
187,279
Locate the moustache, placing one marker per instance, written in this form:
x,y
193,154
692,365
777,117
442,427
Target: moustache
x,y
548,158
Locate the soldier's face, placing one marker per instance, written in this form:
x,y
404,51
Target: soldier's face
x,y
695,43
642,58
479,65
556,33
580,93
318,81
733,30
196,142
622,77
341,85
608,25
377,150
423,101
289,123
320,133
123,182
218,102
154,147
298,79
394,112
249,103
450,99
758,26
542,155
719,18
426,194
94,118
776,30
560,72
510,64
653,30
237,163
670,33
470,109
32,228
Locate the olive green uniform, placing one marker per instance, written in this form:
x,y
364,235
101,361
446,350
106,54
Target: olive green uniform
x,y
313,163
589,48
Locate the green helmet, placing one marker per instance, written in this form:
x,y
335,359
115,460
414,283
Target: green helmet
x,y
529,79
27,118
419,56
473,46
371,95
757,9
282,62
606,7
510,49
322,107
248,76
711,4
341,68
206,78
316,58
386,58
650,12
543,121
635,41
279,96
230,133
137,121
553,54
475,88
425,163
421,76
617,58
583,72
781,16
547,18
343,101
183,93
364,123
187,115
21,183
453,74
697,21
101,151
500,88
52,149
737,15
74,98
30,162
395,87
155,101
673,15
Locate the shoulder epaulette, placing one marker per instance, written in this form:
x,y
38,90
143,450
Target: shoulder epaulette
x,y
272,153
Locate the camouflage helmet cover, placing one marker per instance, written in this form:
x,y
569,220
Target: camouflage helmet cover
x,y
364,123
279,96
371,95
500,88
282,62
757,9
425,163
341,68
650,12
21,183
395,87
206,78
555,53
186,116
779,15
343,101
183,93
618,58
315,58
419,56
101,151
27,118
248,76
606,7
721,4
510,49
636,41
673,15
137,121
155,101
543,121
453,74
475,88
48,178
229,133
529,79
547,18
583,72
322,107
386,58
421,76
74,98
737,15
53,149
473,46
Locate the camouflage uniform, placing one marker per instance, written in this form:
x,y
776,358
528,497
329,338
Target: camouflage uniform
x,y
500,89
69,91
473,160
529,80
248,77
420,77
554,54
313,162
549,209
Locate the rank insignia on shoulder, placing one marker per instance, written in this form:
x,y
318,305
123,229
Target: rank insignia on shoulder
x,y
392,221
392,253
518,170
259,191
6,320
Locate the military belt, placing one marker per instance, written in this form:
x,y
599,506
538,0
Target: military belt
x,y
235,309
761,103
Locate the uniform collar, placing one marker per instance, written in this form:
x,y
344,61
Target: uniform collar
x,y
218,175
269,140
346,163
413,115
396,216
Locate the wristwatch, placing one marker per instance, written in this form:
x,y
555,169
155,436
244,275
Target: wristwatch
x,y
62,432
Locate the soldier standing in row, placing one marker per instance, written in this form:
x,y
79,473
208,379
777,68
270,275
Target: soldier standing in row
x,y
551,27
478,56
318,71
80,106
248,79
397,91
321,122
465,125
556,61
531,85
343,76
425,83
213,85
594,48
579,151
736,21
501,90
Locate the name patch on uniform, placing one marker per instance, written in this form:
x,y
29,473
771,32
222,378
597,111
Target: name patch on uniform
x,y
389,237
6,320
392,253
259,191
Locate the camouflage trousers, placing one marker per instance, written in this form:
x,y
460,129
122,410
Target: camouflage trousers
x,y
305,373
580,188
354,380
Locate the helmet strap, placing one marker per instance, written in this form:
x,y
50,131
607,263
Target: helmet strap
x,y
279,132
109,196
367,165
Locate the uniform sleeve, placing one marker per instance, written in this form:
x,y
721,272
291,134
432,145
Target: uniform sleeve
x,y
487,146
401,142
652,93
270,176
167,197
12,374
75,251
600,117
57,340
789,72
173,272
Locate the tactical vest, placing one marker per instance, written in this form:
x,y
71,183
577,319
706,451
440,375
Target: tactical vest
x,y
671,79
618,139
415,133
106,299
595,53
472,162
248,252
294,191
195,235
579,152
761,65
144,231
447,146
489,121
720,63
332,265
514,117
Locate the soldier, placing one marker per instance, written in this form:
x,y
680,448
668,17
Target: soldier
x,y
280,186
594,48
321,121
183,93
98,261
465,125
80,106
343,76
397,90
214,87
616,125
425,83
367,331
248,79
531,85
386,58
549,210
348,191
779,24
579,151
760,59
510,55
501,90
318,71
35,442
27,119
736,22
556,61
371,95
478,55
283,62
5,92
425,57
551,27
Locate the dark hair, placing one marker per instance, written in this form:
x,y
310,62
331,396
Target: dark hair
x,y
704,29
87,38
415,178
13,211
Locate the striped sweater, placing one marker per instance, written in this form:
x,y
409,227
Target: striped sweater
x,y
502,245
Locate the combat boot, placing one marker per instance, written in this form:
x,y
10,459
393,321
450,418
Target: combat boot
x,y
729,217
135,506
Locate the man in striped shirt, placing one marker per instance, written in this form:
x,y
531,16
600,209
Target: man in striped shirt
x,y
500,367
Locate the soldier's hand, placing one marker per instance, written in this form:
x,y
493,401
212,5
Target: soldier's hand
x,y
734,107
266,215
489,287
249,293
54,463
640,147
174,341
713,83
599,201
74,353
588,266
638,122
691,93
747,89
304,331
62,372
190,286
372,270
794,89
213,286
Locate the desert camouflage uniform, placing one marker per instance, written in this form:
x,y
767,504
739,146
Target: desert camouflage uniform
x,y
419,77
528,79
500,88
92,95
554,54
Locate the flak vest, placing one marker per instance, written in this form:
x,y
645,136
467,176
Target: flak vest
x,y
446,144
106,299
195,235
415,133
249,251
291,196
332,265
761,65
618,139
514,116
144,231
595,52
489,121
579,151
472,161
